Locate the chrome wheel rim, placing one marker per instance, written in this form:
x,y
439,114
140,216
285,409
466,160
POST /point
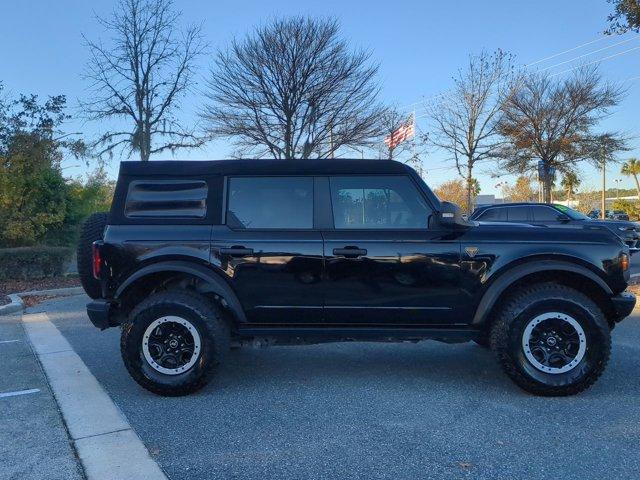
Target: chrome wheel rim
x,y
554,342
171,345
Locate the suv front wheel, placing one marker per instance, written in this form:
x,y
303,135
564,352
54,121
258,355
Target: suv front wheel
x,y
173,341
551,340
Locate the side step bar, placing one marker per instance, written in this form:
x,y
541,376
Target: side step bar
x,y
365,333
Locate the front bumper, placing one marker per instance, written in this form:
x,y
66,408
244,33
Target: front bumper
x,y
100,313
623,305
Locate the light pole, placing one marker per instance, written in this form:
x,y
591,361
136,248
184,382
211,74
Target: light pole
x,y
617,181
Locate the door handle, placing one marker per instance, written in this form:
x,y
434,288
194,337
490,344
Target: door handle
x,y
236,251
350,252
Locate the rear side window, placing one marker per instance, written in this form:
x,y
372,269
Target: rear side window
x,y
270,202
494,215
377,202
518,214
166,199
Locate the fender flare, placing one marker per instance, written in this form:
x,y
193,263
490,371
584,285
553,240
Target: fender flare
x,y
212,279
514,274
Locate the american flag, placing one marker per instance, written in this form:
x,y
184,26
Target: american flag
x,y
402,133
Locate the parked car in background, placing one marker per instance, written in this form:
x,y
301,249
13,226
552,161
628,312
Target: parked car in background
x,y
618,215
557,216
609,214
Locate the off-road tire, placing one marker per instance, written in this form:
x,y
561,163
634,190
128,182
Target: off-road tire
x,y
202,314
520,308
92,230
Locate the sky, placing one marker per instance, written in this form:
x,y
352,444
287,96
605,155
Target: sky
x,y
419,45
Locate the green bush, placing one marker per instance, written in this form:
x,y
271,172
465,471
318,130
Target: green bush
x,y
23,263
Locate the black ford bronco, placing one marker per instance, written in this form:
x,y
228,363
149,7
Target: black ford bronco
x,y
198,257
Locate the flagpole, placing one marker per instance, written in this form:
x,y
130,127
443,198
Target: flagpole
x,y
415,155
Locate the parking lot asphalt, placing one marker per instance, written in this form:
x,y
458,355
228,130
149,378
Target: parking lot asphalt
x,y
34,443
374,411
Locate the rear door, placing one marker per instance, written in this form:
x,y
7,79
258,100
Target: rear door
x,y
270,249
384,265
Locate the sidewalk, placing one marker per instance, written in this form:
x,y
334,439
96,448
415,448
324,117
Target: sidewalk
x,y
34,443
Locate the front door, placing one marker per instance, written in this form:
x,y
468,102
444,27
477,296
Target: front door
x,y
383,264
269,249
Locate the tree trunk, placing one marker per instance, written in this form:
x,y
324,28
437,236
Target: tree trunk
x,y
604,191
635,177
546,184
469,184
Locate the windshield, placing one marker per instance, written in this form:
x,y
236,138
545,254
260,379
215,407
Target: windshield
x,y
571,213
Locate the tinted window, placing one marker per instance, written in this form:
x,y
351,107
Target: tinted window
x,y
270,202
377,202
517,214
571,213
166,199
545,214
494,215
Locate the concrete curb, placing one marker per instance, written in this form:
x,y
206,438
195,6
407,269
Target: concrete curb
x,y
107,446
18,305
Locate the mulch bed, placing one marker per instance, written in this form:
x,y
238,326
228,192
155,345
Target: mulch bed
x,y
17,286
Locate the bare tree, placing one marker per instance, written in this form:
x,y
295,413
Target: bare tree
x,y
464,121
292,89
550,122
141,76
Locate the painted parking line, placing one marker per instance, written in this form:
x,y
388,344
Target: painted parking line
x,y
9,341
19,392
107,446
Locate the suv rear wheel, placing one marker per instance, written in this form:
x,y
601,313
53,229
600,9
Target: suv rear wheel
x,y
173,342
551,340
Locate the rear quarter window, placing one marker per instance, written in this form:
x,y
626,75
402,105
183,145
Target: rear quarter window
x,y
166,199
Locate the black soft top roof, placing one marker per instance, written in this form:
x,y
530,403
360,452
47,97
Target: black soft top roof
x,y
263,167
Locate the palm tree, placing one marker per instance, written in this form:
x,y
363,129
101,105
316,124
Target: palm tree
x,y
570,181
632,168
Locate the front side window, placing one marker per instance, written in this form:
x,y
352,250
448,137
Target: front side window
x,y
377,202
545,214
270,202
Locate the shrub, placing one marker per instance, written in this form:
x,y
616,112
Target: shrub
x,y
24,263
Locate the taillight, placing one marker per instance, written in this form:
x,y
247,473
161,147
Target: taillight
x,y
624,262
97,261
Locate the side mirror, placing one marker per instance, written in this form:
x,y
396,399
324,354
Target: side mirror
x,y
563,218
450,215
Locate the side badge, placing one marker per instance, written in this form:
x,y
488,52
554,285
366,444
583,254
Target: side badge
x,y
471,251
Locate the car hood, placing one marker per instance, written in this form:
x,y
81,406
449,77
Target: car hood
x,y
615,223
507,232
